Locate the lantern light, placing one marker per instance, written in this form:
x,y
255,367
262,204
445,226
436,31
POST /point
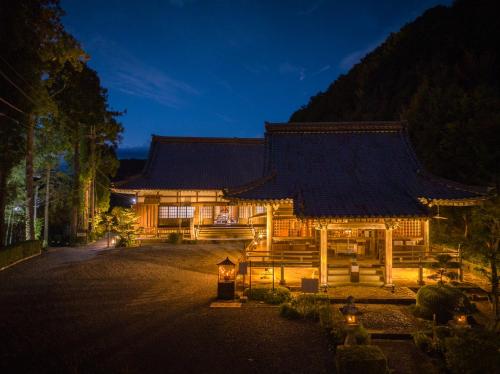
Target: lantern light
x,y
460,314
227,279
350,312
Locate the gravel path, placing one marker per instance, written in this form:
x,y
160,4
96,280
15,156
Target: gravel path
x,y
92,310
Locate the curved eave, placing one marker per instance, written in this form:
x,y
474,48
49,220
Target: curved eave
x,y
367,217
259,201
453,202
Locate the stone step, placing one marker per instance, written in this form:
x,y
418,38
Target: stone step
x,y
339,271
369,278
339,279
368,271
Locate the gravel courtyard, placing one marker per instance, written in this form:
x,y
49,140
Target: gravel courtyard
x,y
142,310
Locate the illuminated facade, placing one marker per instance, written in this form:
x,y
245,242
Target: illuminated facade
x,y
316,193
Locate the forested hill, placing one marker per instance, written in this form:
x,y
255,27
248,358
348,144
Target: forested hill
x,y
441,73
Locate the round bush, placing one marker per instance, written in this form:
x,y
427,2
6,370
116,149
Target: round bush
x,y
289,311
440,300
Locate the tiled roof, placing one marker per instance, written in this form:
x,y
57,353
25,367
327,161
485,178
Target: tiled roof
x,y
199,163
346,170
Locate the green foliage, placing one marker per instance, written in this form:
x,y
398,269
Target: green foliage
x,y
423,341
442,266
289,311
473,351
362,336
484,244
126,226
38,228
18,251
326,317
360,359
174,238
440,300
277,296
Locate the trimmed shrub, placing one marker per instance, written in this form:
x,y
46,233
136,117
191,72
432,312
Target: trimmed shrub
x,y
174,238
278,296
422,341
473,351
362,336
288,311
308,305
18,251
360,359
325,317
439,300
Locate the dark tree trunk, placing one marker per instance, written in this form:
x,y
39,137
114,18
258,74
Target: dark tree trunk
x,y
30,222
75,208
3,187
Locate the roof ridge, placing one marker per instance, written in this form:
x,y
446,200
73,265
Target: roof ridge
x,y
344,126
197,139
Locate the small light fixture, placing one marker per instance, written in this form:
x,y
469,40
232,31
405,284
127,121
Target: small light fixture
x,y
460,314
227,279
350,312
134,200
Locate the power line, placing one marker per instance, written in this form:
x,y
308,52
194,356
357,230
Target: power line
x,y
15,120
12,106
17,87
17,73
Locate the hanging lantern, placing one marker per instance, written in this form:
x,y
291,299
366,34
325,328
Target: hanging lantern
x,y
227,279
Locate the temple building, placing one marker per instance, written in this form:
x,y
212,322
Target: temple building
x,y
309,194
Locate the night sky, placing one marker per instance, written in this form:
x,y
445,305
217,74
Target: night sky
x,y
222,68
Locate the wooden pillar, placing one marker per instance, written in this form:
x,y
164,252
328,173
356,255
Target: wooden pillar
x,y
426,236
269,227
191,229
389,227
323,253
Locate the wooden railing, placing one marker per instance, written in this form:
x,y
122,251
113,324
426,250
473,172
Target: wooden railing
x,y
290,255
417,253
162,232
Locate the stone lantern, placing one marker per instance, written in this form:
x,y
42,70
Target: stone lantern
x,y
460,315
351,313
226,280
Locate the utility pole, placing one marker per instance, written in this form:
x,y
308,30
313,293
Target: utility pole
x,y
30,223
46,208
93,166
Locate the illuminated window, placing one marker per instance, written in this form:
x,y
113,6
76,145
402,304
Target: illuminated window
x,y
206,212
260,209
175,212
245,211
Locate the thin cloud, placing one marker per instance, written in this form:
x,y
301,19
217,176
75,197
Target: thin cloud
x,y
311,9
131,76
353,58
225,118
288,68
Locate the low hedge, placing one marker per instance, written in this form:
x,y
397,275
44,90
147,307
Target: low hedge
x,y
18,251
360,359
473,351
277,296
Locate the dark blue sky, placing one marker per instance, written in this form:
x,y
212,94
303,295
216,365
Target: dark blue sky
x,y
222,68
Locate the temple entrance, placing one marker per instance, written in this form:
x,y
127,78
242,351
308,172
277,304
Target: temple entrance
x,y
225,215
348,244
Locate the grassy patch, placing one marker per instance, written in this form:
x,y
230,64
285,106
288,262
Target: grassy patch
x,y
18,251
